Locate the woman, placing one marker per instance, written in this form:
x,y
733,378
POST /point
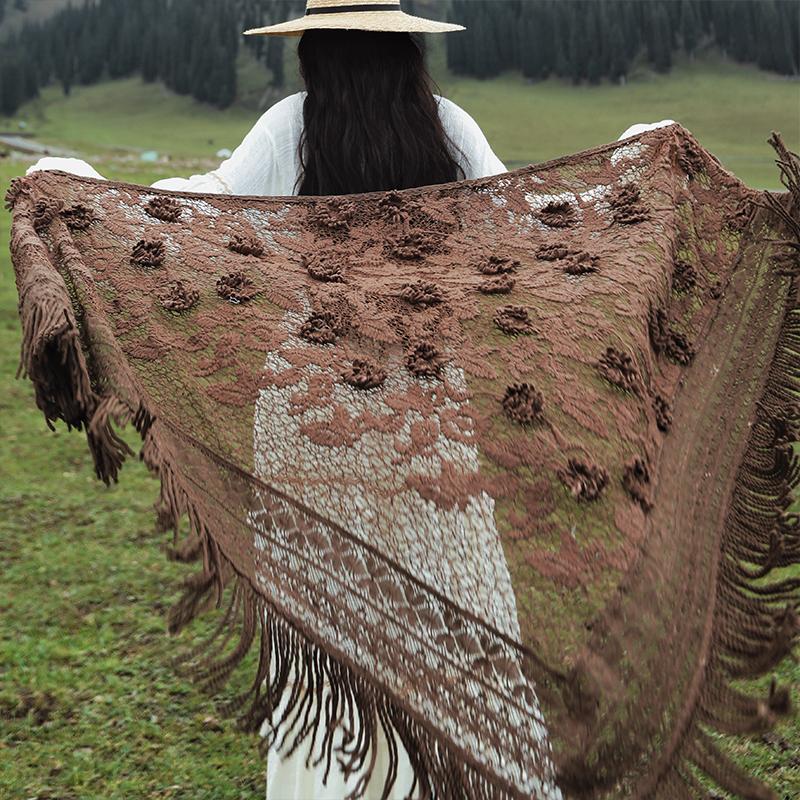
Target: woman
x,y
367,121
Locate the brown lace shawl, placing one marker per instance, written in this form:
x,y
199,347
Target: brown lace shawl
x,y
505,462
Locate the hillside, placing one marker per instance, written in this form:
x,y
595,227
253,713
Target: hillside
x,y
91,709
731,108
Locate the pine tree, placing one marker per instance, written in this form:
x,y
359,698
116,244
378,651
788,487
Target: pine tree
x,y
532,40
10,85
192,45
743,25
562,25
720,21
774,41
150,58
275,60
547,38
578,43
660,39
689,25
618,58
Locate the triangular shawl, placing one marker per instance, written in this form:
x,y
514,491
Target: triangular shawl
x,y
505,463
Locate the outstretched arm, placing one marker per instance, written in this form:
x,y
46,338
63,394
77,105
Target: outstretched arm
x,y
251,169
247,171
641,127
242,173
76,166
478,160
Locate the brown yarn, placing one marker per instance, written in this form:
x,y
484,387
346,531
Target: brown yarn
x,y
581,264
678,348
394,209
424,360
236,287
167,209
684,279
320,328
78,217
626,205
148,253
618,368
422,294
246,245
665,339
364,375
523,403
559,214
513,320
740,218
636,480
332,217
585,481
324,267
179,296
691,160
663,410
503,284
45,211
554,252
498,265
413,246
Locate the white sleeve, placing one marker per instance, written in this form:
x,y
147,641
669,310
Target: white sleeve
x,y
251,169
247,171
641,127
242,173
74,165
479,159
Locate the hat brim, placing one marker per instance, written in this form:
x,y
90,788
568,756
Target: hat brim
x,y
397,21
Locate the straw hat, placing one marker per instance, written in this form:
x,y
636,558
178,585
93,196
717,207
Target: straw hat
x,y
363,15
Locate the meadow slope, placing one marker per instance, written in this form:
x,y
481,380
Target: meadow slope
x,y
731,109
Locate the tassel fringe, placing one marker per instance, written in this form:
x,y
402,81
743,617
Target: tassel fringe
x,y
293,669
757,623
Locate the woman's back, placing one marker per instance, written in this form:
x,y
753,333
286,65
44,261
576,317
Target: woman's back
x,y
267,161
368,120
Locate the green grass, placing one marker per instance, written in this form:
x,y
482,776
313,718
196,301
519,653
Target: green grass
x,y
89,707
130,116
730,108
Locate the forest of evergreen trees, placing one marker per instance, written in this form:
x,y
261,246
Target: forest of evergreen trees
x,y
587,40
192,45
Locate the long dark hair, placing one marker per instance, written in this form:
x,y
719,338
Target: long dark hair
x,y
370,118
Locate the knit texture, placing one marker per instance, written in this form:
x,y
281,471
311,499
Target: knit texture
x,y
506,462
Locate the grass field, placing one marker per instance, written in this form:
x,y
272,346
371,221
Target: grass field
x,y
730,108
89,707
